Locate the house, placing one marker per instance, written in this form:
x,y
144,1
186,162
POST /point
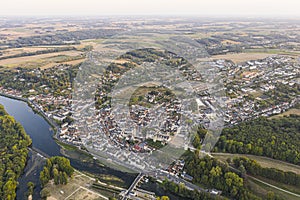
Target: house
x,y
59,117
215,192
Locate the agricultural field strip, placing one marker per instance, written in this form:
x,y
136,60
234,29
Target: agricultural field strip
x,y
36,57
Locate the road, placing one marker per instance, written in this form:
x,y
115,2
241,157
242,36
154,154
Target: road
x,y
163,174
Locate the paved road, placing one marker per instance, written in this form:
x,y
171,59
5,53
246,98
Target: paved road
x,y
160,174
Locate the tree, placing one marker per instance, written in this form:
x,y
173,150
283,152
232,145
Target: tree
x,y
56,176
242,169
43,178
275,138
196,142
45,193
214,174
13,154
163,198
60,169
9,189
30,188
181,187
270,195
250,166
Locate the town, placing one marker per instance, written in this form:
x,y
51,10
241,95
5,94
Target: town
x,y
252,88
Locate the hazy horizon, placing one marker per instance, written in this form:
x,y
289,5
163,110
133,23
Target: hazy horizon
x,y
230,8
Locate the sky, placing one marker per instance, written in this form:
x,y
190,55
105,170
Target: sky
x,y
152,7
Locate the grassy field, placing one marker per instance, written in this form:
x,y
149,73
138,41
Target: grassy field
x,y
273,51
54,63
33,29
47,60
242,57
290,188
263,161
77,188
293,111
66,146
41,60
82,193
104,160
16,51
76,153
262,190
83,186
142,91
230,42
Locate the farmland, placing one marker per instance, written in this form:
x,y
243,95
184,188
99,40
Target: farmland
x,y
242,57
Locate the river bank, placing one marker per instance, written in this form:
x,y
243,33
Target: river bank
x,y
35,108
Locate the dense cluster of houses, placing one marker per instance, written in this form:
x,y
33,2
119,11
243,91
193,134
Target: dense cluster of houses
x,y
246,86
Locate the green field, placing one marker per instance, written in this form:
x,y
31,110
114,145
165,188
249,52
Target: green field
x,y
263,161
274,51
290,188
262,190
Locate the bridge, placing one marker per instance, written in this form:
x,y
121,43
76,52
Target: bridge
x,y
133,185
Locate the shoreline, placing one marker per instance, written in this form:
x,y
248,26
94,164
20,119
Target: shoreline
x,y
36,110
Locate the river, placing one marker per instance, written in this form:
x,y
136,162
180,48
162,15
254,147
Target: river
x,y
41,134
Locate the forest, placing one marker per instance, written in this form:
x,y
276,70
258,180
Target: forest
x,y
13,154
211,173
72,37
250,166
57,168
275,138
